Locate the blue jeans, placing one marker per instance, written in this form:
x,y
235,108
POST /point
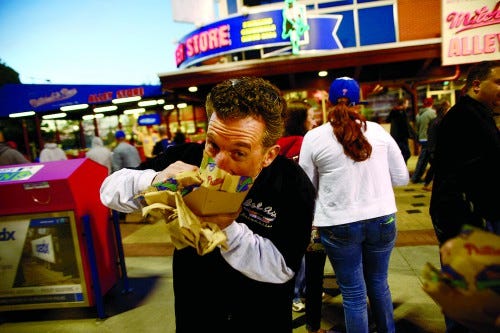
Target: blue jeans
x,y
423,160
359,253
299,289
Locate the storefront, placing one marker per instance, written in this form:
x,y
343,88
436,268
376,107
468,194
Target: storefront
x,y
393,48
76,113
301,46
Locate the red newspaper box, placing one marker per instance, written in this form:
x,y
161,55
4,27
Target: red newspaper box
x,y
57,243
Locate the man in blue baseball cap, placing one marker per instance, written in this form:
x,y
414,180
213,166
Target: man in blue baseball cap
x,y
119,134
124,155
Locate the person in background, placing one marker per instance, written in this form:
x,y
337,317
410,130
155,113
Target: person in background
x,y
425,116
343,90
249,285
466,185
299,118
9,155
162,145
99,153
441,109
179,138
401,129
354,164
51,151
124,155
148,138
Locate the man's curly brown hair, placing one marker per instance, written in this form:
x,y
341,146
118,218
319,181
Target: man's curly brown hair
x,y
249,96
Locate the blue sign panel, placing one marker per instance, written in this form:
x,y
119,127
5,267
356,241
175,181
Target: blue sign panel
x,y
264,30
149,119
46,97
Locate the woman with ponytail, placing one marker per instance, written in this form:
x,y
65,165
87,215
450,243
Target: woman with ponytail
x,y
354,165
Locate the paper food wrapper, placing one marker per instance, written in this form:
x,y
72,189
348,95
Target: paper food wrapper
x,y
179,201
468,286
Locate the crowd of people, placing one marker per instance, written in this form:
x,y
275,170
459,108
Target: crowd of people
x,y
319,191
123,153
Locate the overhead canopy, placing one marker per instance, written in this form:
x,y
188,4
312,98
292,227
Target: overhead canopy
x,y
47,98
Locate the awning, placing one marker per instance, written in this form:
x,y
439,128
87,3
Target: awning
x,y
44,98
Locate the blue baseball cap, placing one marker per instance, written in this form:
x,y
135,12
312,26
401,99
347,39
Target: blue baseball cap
x,y
119,134
344,87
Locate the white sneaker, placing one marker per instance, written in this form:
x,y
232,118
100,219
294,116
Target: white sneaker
x,y
298,305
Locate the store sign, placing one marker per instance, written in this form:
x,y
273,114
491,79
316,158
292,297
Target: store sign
x,y
149,119
470,31
345,26
263,29
48,97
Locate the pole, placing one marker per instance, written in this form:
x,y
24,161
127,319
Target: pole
x,y
26,140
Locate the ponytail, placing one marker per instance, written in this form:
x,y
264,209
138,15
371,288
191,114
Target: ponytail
x,y
348,126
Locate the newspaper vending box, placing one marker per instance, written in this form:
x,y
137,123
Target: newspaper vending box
x,y
57,243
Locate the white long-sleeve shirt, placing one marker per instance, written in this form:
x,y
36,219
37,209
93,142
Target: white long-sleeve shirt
x,y
252,255
350,191
52,152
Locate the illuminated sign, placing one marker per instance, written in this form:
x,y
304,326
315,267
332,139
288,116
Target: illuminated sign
x,y
122,93
149,119
294,23
236,33
470,30
346,27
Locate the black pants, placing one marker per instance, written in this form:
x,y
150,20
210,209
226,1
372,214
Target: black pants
x,y
315,265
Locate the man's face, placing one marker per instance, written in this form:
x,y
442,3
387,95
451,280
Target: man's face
x,y
488,91
236,145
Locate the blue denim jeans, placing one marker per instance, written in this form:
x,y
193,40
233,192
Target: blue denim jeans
x,y
423,160
359,253
299,290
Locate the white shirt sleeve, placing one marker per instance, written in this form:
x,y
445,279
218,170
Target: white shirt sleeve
x,y
306,161
254,256
118,189
397,166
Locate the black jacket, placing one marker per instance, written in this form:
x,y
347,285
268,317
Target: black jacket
x,y
212,296
401,129
466,165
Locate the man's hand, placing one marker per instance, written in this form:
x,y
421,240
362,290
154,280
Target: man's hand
x,y
222,220
172,170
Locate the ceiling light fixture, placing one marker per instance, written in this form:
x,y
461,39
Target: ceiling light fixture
x,y
21,114
54,116
147,103
126,99
322,73
92,116
169,107
74,107
106,108
134,111
193,89
181,105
